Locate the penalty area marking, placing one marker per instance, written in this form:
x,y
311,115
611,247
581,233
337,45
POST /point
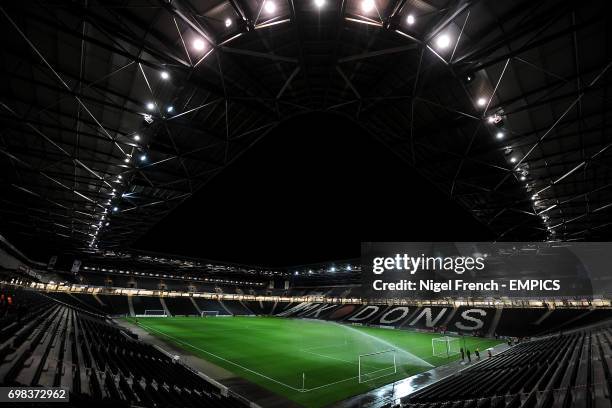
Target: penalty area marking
x,y
253,371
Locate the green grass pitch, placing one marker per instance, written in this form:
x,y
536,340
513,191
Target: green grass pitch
x,y
313,363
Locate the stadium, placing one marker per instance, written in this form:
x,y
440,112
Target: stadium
x,y
305,203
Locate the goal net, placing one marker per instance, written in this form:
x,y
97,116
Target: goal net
x,y
207,313
376,365
445,346
153,313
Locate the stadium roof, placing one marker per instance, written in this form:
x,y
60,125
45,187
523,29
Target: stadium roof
x,y
115,112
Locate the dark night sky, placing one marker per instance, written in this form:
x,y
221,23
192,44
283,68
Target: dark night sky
x,y
310,191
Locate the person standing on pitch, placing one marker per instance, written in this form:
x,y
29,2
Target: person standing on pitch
x,y
462,354
477,352
467,352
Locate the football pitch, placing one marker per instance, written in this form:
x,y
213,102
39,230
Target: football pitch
x,y
313,363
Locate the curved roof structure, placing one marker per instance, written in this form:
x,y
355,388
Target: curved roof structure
x,y
114,112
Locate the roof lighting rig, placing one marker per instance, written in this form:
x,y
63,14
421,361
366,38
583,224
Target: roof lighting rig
x,y
140,107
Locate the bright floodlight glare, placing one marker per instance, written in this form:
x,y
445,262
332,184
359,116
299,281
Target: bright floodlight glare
x,y
270,7
115,209
499,135
523,178
443,41
228,22
143,157
170,108
198,45
513,160
165,75
481,102
319,3
367,5
127,159
136,137
410,19
150,106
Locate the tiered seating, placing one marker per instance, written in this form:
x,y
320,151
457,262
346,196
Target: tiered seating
x,y
52,344
237,308
559,318
519,322
78,301
180,306
558,371
260,308
143,303
117,305
211,305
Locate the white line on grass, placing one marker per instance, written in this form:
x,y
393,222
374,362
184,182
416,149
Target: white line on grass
x,y
221,358
330,357
276,381
307,349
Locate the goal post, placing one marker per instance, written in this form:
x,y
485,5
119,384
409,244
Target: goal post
x,y
445,346
209,313
153,313
376,365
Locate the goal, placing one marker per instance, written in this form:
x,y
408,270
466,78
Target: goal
x,y
153,313
445,346
208,313
376,365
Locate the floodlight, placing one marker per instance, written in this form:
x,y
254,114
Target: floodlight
x,y
443,41
143,157
410,19
165,75
481,102
137,137
169,109
270,7
228,22
198,44
523,178
115,209
150,106
127,160
513,160
367,5
332,269
499,135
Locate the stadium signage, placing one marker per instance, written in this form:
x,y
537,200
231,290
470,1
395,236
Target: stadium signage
x,y
431,270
